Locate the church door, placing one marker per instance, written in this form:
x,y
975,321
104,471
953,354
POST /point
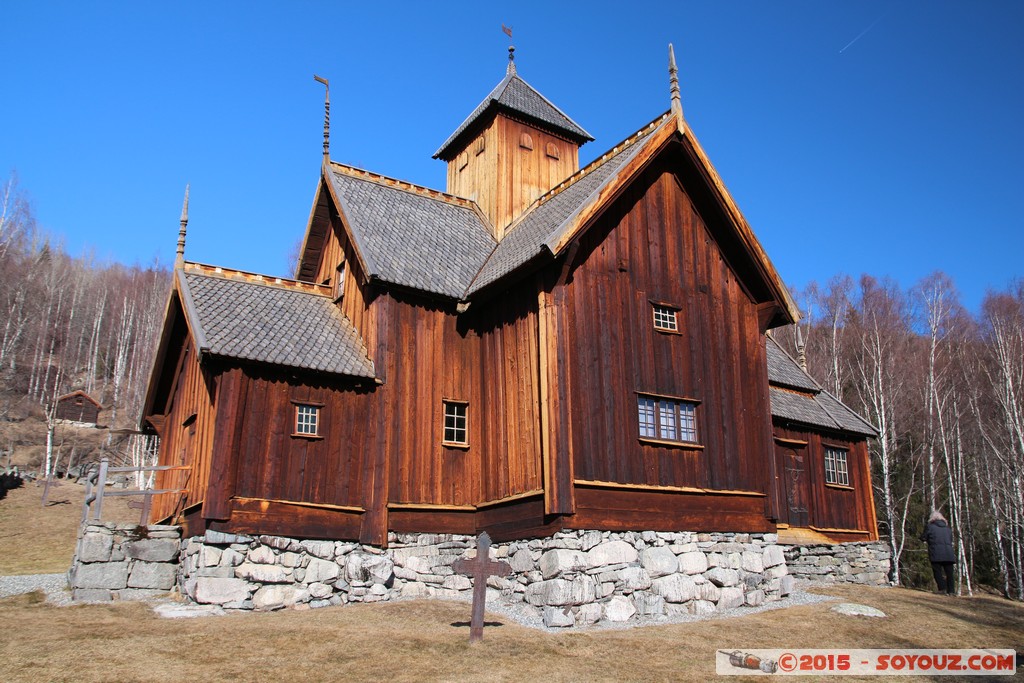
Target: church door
x,y
794,484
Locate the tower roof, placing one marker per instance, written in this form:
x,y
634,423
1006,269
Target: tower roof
x,y
515,96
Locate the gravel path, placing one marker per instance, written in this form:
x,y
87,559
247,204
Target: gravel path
x,y
55,586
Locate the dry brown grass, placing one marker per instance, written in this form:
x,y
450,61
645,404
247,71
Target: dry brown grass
x,y
41,540
426,641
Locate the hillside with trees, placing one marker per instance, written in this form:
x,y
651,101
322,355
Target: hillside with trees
x,y
944,385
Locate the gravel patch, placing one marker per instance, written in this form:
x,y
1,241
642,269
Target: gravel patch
x,y
54,585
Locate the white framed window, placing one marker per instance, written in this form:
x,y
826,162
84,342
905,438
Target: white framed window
x,y
307,420
456,430
836,471
667,419
666,318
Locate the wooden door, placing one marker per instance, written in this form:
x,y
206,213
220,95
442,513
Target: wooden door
x,y
794,494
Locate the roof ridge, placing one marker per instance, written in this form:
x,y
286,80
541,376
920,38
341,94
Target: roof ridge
x,y
246,277
404,185
613,152
549,102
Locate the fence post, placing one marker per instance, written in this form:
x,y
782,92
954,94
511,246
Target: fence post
x,y
100,485
88,495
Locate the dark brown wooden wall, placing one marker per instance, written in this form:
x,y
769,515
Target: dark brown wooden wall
x,y
652,244
274,464
835,507
78,408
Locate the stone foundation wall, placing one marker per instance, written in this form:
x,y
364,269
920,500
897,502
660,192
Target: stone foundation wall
x,y
866,563
572,578
117,561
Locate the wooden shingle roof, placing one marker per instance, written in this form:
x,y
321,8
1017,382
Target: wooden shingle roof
x,y
264,323
515,96
796,396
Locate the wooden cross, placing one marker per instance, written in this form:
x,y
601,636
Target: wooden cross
x,y
479,568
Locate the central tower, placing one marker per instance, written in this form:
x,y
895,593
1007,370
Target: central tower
x,y
514,147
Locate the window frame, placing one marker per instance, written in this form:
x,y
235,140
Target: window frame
x,y
668,420
298,423
834,466
665,310
457,406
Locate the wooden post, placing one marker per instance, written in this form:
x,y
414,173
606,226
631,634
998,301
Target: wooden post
x,y
479,568
101,483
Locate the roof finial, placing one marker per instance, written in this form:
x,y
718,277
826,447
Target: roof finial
x,y
179,259
801,353
511,71
327,117
673,82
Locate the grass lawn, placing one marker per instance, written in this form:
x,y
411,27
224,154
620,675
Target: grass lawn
x,y
421,640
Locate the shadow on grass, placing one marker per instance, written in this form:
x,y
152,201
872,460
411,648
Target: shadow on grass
x,y
459,624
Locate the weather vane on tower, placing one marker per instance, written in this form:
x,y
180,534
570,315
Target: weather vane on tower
x,y
507,30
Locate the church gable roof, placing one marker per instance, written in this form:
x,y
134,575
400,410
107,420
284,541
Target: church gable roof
x,y
411,236
516,96
796,396
251,321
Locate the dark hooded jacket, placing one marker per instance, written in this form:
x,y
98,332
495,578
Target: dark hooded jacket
x,y
940,542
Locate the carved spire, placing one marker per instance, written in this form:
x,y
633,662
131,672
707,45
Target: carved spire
x,y
179,259
801,353
327,117
511,70
673,82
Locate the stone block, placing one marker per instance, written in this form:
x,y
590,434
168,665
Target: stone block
x,y
731,597
210,556
108,575
588,614
319,590
619,609
772,556
590,539
380,569
456,583
153,549
321,571
752,562
95,547
231,558
401,555
722,577
649,604
322,549
415,590
675,588
522,561
612,552
221,538
755,598
709,592
218,591
560,561
275,542
153,575
632,579
262,573
562,592
262,554
693,562
220,572
702,607
290,560
659,561
275,597
559,617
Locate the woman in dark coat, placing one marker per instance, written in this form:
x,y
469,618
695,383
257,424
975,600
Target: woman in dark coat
x,y
941,554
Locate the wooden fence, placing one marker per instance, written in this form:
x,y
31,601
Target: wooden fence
x,y
96,484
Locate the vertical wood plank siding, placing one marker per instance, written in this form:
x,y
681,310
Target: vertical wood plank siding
x,y
186,444
652,244
833,507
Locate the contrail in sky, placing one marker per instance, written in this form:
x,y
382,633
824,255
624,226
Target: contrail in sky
x,y
862,33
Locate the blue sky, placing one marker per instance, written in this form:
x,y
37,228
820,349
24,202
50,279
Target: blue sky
x,y
877,137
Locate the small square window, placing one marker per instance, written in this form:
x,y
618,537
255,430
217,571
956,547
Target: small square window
x,y
307,420
665,318
836,471
455,429
667,419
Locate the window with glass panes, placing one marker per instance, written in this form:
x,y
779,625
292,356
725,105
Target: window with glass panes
x,y
665,318
307,420
836,471
455,429
667,419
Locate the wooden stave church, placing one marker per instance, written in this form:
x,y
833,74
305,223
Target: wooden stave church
x,y
495,296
